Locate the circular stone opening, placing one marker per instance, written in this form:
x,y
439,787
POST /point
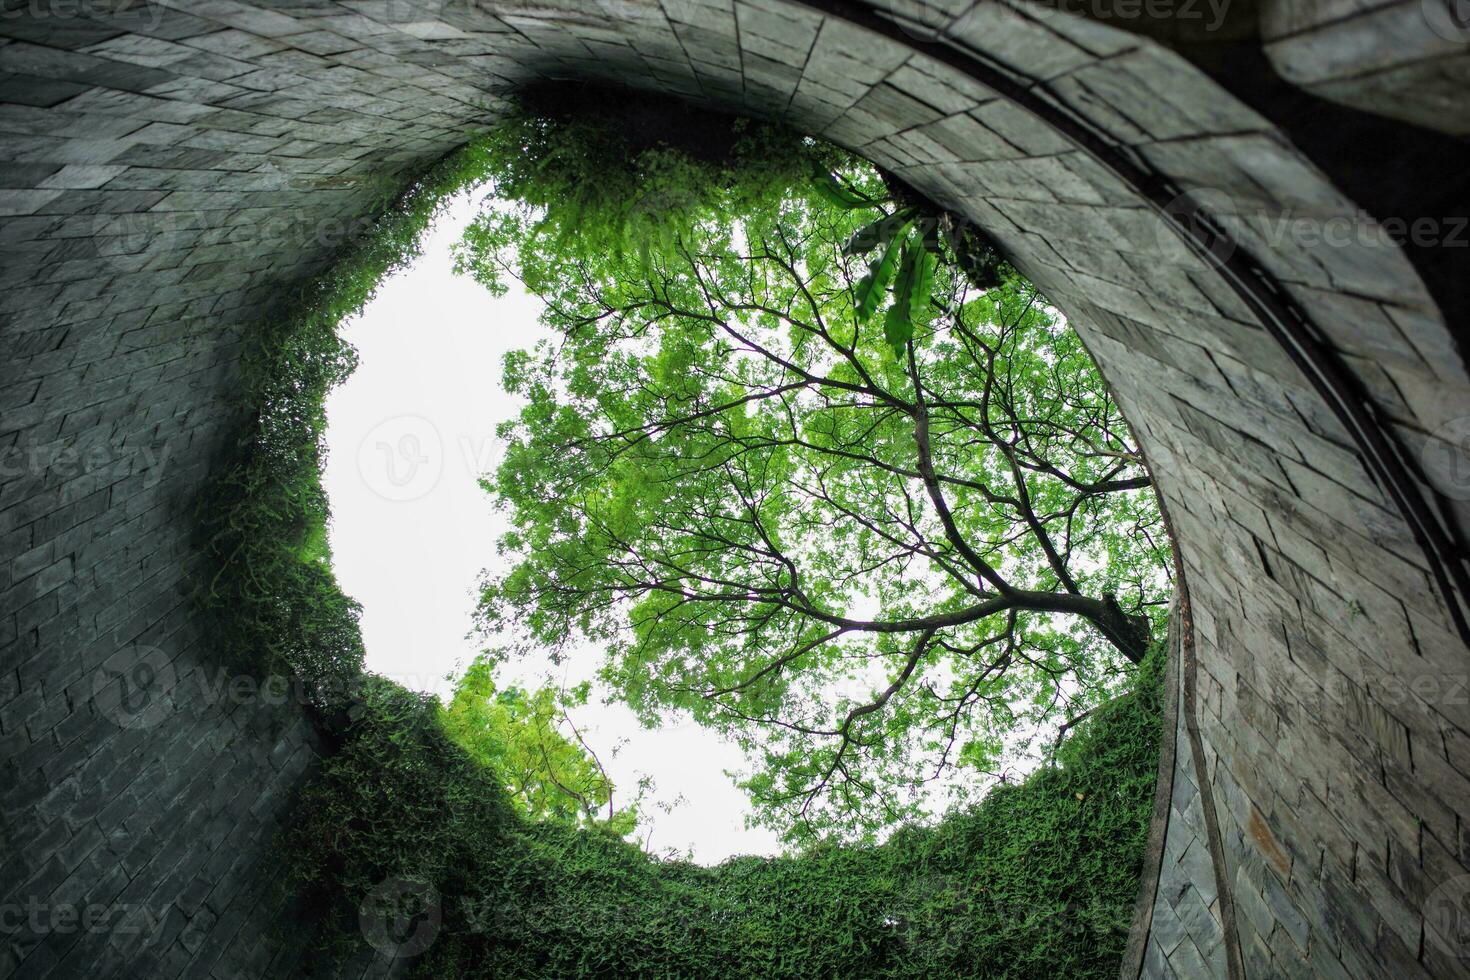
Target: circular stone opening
x,y
1297,392
795,365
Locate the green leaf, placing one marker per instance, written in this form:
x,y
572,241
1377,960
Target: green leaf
x,y
922,289
869,289
898,324
827,186
898,329
871,235
911,293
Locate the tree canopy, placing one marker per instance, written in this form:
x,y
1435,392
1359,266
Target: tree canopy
x,y
814,476
530,740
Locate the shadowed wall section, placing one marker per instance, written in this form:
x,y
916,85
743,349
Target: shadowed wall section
x,y
168,169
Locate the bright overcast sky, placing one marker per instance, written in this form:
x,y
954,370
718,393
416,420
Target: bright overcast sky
x,y
409,434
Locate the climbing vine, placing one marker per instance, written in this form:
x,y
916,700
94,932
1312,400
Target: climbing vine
x,y
1036,881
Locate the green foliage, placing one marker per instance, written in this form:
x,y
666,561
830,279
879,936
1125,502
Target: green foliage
x,y
866,555
521,735
916,231
625,172
1036,881
264,518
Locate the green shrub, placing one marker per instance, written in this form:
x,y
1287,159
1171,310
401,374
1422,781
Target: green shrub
x,y
1037,880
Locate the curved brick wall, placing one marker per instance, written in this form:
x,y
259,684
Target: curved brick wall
x,y
167,168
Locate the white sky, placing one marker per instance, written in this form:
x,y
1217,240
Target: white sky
x,y
408,436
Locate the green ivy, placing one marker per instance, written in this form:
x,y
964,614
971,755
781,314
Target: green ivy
x,y
1037,880
264,517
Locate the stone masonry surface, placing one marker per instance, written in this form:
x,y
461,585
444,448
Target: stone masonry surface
x,y
166,168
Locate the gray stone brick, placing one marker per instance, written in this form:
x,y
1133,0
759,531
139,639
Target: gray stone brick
x,y
201,122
